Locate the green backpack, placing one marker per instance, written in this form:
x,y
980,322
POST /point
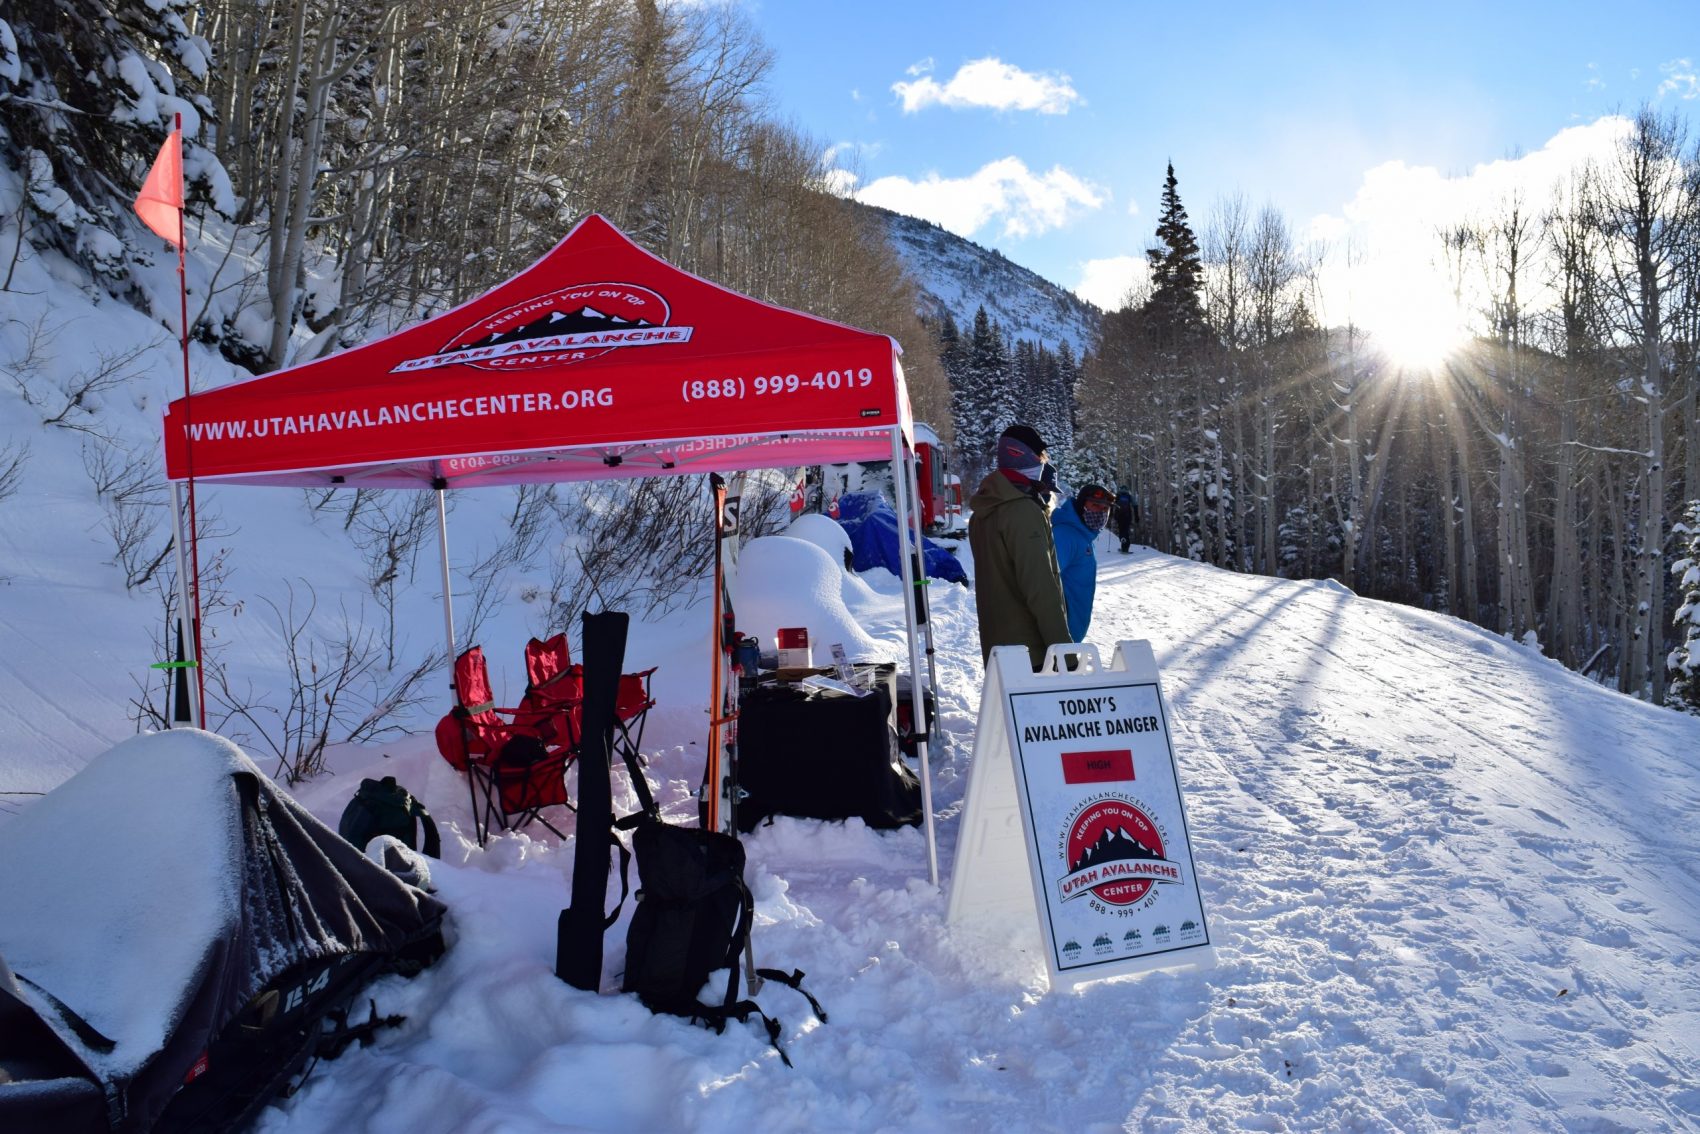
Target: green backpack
x,y
384,807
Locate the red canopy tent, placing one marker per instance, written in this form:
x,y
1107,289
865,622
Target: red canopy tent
x,y
599,361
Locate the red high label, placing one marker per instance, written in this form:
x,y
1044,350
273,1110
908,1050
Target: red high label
x,y
1097,767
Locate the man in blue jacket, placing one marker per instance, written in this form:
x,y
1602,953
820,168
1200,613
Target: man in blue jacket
x,y
1075,527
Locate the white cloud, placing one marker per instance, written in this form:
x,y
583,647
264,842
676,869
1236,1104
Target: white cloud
x,y
841,182
1108,282
1680,79
849,153
1024,203
1391,226
1593,81
989,83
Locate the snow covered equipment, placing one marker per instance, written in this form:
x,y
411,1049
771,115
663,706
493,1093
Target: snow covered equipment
x,y
193,968
512,772
384,807
693,918
872,525
43,1084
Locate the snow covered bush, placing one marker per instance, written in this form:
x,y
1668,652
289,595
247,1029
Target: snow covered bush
x,y
1684,661
94,86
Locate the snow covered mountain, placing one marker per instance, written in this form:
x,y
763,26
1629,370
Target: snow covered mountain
x,y
958,276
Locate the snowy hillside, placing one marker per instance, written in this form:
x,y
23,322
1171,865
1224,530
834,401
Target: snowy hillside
x,y
1452,886
958,276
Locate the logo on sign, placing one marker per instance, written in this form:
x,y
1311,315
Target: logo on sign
x,y
1114,852
572,324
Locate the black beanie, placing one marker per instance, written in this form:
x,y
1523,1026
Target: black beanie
x,y
1028,436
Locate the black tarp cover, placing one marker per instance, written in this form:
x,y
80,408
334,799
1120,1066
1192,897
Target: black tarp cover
x,y
148,899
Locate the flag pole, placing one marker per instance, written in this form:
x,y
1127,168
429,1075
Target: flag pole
x,y
163,189
189,456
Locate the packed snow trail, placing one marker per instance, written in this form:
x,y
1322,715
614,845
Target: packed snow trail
x,y
1451,885
1414,816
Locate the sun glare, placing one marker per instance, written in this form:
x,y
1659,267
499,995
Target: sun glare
x,y
1415,324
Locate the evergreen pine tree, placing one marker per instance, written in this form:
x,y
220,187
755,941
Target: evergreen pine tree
x,y
126,66
1175,310
1026,400
987,405
953,355
1683,663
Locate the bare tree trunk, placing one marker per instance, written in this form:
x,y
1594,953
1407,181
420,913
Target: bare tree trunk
x,y
1647,211
1468,580
280,285
1350,503
1564,602
1446,521
1268,496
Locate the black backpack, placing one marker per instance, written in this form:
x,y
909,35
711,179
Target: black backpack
x,y
693,917
384,807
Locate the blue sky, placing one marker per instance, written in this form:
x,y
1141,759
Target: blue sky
x,y
1043,130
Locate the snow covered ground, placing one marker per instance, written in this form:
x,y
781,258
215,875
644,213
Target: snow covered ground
x,y
1452,886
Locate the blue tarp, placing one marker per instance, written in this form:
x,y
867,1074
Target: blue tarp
x,y
872,526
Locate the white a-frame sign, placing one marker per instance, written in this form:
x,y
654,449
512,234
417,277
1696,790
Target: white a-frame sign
x,y
1074,787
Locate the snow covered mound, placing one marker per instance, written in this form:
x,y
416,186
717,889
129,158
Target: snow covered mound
x,y
824,532
152,816
783,581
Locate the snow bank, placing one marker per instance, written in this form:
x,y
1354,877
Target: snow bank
x,y
783,581
824,532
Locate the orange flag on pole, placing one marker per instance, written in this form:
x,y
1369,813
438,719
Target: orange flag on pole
x,y
160,203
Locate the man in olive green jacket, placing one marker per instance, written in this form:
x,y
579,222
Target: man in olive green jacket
x,y
1017,589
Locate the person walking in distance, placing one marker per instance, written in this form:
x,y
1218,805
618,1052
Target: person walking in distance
x,y
1127,509
1017,589
1075,526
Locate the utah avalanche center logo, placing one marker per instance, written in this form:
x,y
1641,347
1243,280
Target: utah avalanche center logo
x,y
1114,852
566,326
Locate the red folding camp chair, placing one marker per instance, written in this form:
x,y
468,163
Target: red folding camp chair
x,y
515,767
554,697
554,690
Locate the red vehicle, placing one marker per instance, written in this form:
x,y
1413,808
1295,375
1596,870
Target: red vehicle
x,y
929,477
941,492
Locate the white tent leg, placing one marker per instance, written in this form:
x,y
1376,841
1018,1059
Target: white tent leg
x,y
917,522
901,479
186,626
443,549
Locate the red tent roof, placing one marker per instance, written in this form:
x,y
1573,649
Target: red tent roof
x,y
598,361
